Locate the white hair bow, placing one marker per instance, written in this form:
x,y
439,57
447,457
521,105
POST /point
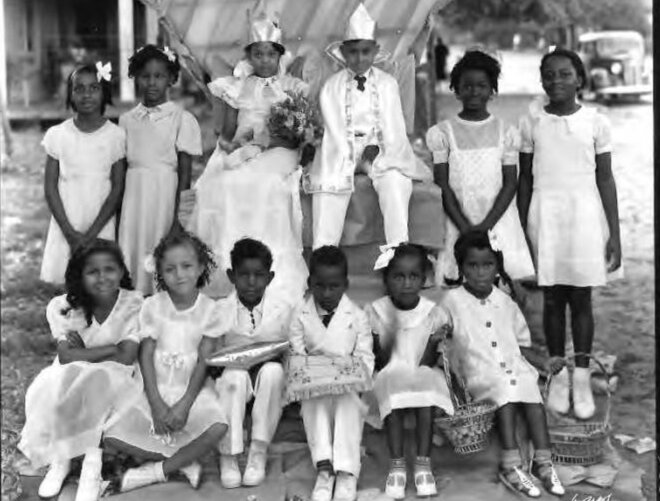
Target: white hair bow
x,y
494,242
149,264
169,53
386,255
103,71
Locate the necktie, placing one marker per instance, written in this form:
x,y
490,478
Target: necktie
x,y
327,317
254,324
360,79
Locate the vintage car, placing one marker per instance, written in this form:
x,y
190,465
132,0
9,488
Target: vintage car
x,y
615,64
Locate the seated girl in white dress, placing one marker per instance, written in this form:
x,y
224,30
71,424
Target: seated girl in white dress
x,y
68,405
250,187
178,418
407,330
489,333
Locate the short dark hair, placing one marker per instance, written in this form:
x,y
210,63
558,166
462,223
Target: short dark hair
x,y
278,47
476,60
408,249
76,295
249,248
149,52
328,255
179,236
105,87
572,57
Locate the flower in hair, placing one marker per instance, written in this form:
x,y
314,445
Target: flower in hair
x,y
494,242
103,71
149,264
171,56
386,255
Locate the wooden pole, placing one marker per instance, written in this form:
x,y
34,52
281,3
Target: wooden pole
x,y
126,49
3,57
433,78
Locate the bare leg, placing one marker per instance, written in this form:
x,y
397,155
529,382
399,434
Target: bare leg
x,y
506,426
582,323
394,427
424,431
206,442
135,452
537,425
555,299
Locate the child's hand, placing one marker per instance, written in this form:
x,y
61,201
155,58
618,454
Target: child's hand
x,y
613,254
159,414
74,340
370,153
177,417
74,239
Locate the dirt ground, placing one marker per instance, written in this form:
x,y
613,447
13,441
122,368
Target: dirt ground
x,y
624,311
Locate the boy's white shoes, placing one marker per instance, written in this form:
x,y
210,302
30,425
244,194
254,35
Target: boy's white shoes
x,y
395,485
425,483
345,487
583,400
146,474
558,394
193,472
255,469
89,485
230,474
51,485
323,487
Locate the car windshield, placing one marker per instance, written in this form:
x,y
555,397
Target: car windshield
x,y
609,47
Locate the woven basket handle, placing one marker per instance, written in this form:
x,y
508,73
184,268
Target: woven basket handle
x,y
454,398
608,407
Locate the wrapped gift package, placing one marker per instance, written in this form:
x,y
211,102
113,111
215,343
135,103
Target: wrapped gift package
x,y
244,357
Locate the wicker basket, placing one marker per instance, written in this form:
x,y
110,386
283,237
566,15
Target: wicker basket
x,y
580,443
469,427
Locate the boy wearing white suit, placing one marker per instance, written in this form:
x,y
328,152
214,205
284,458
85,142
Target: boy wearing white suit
x,y
329,323
250,315
364,131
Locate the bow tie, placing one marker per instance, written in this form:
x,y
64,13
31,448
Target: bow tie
x,y
360,79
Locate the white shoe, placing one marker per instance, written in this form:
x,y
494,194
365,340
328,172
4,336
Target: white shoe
x,y
89,485
345,487
230,474
147,474
395,485
583,400
51,485
255,469
558,394
323,487
548,476
519,481
193,472
425,482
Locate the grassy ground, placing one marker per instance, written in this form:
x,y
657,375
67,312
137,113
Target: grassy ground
x,y
624,311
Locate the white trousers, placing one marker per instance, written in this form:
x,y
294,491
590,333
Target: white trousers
x,y
333,426
235,390
329,210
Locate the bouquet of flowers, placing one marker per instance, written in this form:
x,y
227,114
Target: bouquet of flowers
x,y
295,121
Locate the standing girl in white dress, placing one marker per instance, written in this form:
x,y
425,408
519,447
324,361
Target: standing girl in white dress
x,y
179,418
475,165
84,179
94,377
161,139
250,187
407,330
488,334
568,204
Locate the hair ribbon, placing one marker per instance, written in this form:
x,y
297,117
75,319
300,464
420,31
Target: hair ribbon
x,y
103,71
149,264
171,56
386,255
494,242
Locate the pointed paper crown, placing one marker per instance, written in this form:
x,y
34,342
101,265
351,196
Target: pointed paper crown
x,y
263,29
361,26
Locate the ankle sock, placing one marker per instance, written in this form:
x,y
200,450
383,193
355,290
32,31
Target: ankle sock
x,y
423,463
510,458
398,464
324,465
259,446
543,459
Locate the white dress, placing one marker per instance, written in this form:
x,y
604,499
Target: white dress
x,y
68,407
476,152
251,193
85,160
154,136
485,347
566,222
403,383
178,334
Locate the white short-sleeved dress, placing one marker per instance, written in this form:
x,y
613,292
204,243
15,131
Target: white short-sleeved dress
x,y
485,347
178,334
253,193
85,160
476,152
68,407
154,137
403,383
566,222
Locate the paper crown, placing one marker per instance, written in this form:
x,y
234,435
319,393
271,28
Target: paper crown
x,y
264,30
361,26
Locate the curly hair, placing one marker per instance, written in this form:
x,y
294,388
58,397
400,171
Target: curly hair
x,y
575,60
328,255
77,296
409,250
105,87
179,236
476,60
479,240
249,248
145,54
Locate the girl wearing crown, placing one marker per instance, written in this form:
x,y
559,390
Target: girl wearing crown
x,y
250,184
365,132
